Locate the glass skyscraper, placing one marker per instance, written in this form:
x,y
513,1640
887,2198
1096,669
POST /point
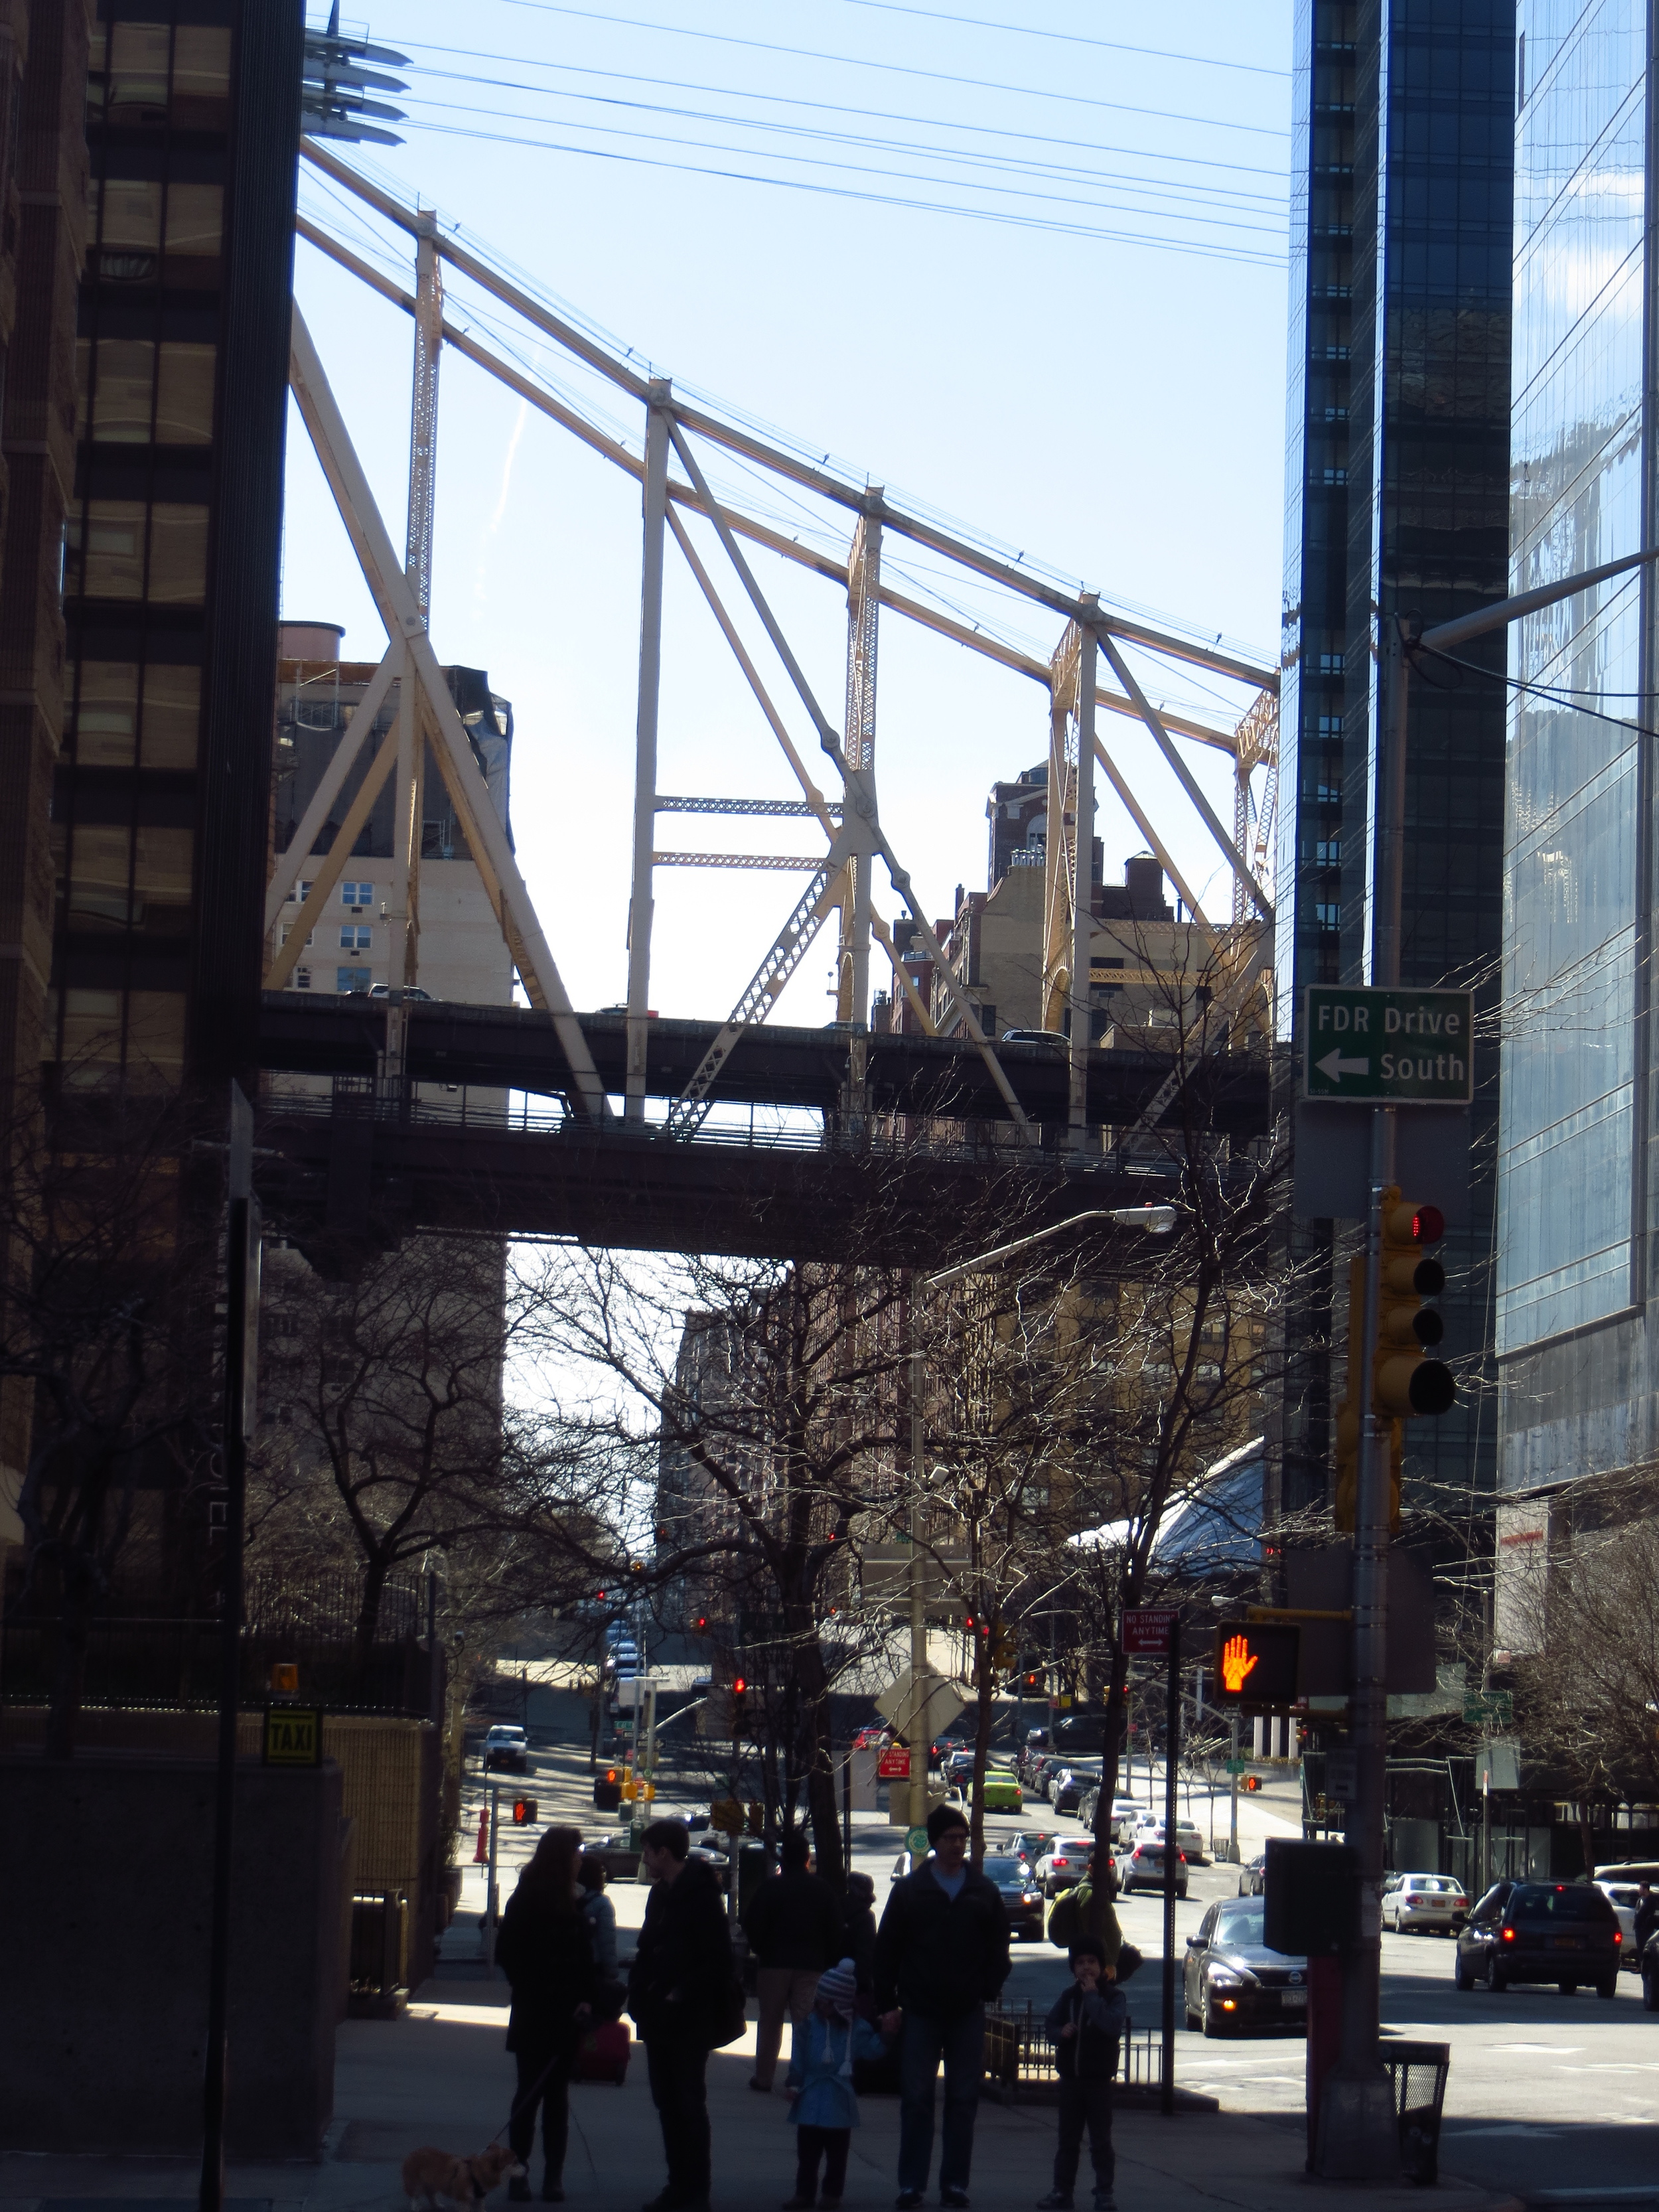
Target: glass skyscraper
x,y
1577,1366
1397,484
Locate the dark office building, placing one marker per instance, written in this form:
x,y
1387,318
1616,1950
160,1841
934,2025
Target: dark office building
x,y
162,804
1397,496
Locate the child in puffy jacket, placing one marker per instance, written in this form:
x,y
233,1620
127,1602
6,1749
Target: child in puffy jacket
x,y
1087,2024
824,2111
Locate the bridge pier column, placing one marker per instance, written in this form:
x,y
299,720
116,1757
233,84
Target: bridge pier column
x,y
645,747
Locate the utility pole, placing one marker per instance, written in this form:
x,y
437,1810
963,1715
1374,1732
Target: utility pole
x,y
1358,2133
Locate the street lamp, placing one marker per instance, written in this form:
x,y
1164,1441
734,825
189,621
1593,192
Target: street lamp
x,y
1151,1221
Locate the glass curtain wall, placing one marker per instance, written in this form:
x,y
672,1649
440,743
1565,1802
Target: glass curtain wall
x,y
1572,896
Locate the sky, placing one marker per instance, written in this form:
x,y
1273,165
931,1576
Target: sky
x,y
1004,260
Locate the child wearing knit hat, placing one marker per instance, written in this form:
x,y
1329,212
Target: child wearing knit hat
x,y
825,2112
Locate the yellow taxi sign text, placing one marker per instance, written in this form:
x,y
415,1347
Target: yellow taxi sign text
x,y
293,1737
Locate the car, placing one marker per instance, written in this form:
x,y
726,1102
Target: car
x,y
1253,1875
1067,1785
998,1792
1045,1766
411,991
1065,1862
1623,1896
1022,1900
1055,1037
1189,1842
506,1749
1140,1866
1424,1903
873,1738
958,1765
1233,1981
1030,1844
1540,1932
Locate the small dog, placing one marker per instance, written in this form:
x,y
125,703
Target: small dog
x,y
437,2181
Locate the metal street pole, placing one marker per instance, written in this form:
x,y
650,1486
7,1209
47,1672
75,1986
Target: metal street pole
x,y
241,1385
1171,1784
1232,1777
1358,2134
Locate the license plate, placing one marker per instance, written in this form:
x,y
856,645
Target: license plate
x,y
1566,1942
1292,1998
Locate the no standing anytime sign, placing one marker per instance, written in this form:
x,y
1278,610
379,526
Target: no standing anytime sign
x,y
1388,1047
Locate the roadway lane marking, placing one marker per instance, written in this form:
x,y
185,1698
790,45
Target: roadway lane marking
x,y
1555,2050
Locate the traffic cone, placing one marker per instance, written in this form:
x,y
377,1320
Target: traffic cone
x,y
481,1855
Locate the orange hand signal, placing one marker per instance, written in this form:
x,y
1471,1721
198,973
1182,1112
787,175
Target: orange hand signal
x,y
1238,1664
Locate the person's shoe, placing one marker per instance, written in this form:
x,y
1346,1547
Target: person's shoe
x,y
1057,2200
1104,2201
552,2191
798,2204
907,2200
755,2082
956,2198
829,2204
517,2190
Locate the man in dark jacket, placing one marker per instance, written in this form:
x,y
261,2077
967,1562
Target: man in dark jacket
x,y
679,1988
941,1955
793,1925
1087,2025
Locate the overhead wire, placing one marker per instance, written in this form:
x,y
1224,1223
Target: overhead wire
x,y
895,69
908,176
1068,38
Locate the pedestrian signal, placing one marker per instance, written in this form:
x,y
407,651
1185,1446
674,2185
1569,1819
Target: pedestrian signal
x,y
1255,1665
524,1811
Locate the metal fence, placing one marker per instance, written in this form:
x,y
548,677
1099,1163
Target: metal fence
x,y
1020,2059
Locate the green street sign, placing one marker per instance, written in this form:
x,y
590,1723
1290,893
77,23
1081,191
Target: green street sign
x,y
1238,1767
1482,1706
915,1840
1388,1047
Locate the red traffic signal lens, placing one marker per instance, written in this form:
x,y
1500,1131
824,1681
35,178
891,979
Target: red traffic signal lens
x,y
738,1686
1428,1225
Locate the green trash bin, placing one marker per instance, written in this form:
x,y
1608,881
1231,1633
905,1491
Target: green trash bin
x,y
1419,2072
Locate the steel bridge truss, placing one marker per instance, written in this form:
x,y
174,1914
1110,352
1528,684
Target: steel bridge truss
x,y
842,878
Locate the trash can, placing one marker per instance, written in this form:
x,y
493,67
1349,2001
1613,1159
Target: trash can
x,y
1419,2072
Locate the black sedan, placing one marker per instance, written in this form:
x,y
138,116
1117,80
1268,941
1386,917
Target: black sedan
x,y
1540,1932
1022,1900
1234,1981
1253,1875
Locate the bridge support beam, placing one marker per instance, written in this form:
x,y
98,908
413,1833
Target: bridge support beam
x,y
1082,884
642,899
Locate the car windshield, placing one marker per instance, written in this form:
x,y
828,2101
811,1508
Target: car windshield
x,y
1241,1924
1006,1870
1535,1901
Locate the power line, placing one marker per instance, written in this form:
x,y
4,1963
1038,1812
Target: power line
x,y
1068,38
960,184
1257,203
894,69
1244,257
977,131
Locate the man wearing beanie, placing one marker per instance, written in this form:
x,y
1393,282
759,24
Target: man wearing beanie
x,y
941,1955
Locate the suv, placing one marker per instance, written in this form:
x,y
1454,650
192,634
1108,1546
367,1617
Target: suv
x,y
1540,1932
508,1748
1140,1866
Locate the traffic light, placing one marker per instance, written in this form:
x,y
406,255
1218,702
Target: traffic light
x,y
1255,1665
524,1811
1404,1380
739,1690
700,1626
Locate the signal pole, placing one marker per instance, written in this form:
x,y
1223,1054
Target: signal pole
x,y
1359,2135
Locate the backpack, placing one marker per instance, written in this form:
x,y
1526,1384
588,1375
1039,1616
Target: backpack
x,y
1063,1929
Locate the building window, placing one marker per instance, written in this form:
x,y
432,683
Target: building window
x,y
1330,664
1328,914
357,896
1328,852
298,894
289,928
354,938
352,979
302,979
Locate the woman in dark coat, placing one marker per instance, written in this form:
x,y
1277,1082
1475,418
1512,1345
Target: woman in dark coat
x,y
545,1949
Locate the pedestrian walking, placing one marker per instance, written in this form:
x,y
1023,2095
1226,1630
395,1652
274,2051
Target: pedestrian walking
x,y
825,2111
546,1951
679,1988
1086,1909
793,1925
941,1955
858,1929
1086,2026
598,1912
1646,1917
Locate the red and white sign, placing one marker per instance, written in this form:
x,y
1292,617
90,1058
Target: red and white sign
x,y
894,1765
1147,1630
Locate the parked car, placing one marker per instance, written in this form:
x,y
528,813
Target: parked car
x,y
1252,1875
1140,1866
1424,1903
1189,1841
1022,1900
1067,1785
873,1738
1234,1981
411,991
507,1750
1045,1765
1623,1896
1540,1932
1065,1862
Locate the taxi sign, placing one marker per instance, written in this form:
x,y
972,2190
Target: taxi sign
x,y
293,1737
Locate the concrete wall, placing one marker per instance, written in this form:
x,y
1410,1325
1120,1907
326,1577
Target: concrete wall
x,y
105,1868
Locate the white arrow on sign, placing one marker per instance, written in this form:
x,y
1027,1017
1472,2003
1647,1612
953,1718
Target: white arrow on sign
x,y
1333,1066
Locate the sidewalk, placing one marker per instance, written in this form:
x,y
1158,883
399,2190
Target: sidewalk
x,y
441,2076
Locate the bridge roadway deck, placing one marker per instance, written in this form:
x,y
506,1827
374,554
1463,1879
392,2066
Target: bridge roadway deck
x,y
513,1049
356,1169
